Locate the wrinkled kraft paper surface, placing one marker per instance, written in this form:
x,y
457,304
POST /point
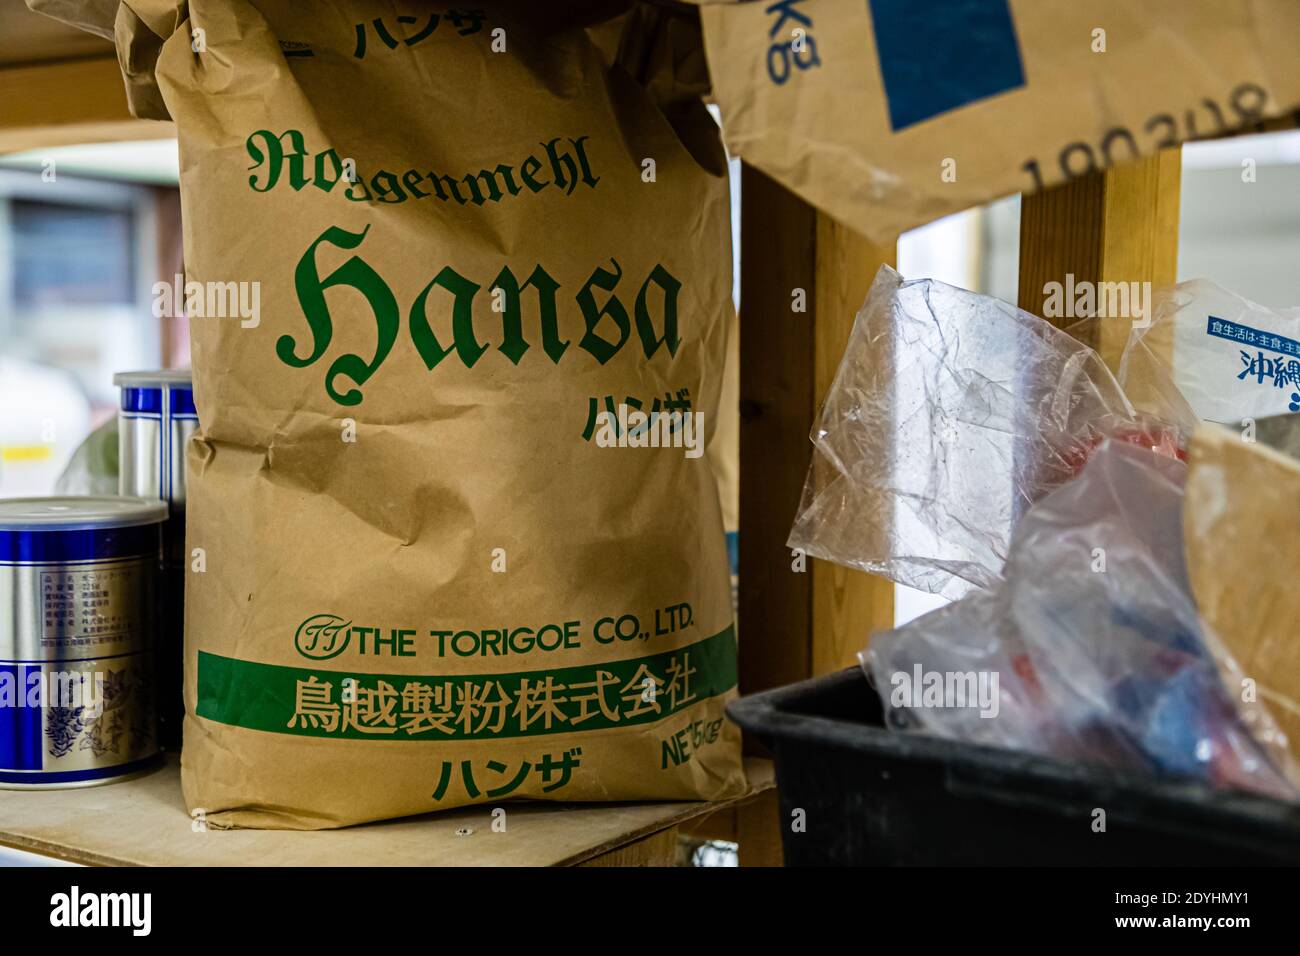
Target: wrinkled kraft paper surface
x,y
856,105
325,682
1241,560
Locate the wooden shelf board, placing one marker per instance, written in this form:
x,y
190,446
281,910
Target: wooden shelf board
x,y
27,37
144,822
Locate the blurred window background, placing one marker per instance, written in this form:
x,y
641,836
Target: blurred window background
x,y
85,232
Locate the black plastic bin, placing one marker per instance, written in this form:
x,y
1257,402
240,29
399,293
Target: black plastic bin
x,y
871,796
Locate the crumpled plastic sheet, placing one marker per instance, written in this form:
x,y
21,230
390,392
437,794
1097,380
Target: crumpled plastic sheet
x,y
951,413
1098,650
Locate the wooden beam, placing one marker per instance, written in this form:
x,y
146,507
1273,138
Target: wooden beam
x,y
793,625
1115,226
77,101
52,94
28,37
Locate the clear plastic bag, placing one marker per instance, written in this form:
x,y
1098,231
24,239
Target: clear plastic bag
x,y
950,414
1090,648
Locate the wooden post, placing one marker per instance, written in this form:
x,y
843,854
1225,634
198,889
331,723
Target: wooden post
x,y
1116,226
794,625
847,605
173,330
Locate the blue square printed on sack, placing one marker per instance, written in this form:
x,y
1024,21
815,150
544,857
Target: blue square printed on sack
x,y
941,54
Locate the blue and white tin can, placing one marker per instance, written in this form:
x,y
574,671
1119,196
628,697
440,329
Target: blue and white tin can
x,y
155,423
78,627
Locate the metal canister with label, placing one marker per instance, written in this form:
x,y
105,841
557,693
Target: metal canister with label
x,y
155,422
78,629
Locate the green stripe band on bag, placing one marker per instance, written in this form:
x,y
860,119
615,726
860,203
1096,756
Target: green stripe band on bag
x,y
311,702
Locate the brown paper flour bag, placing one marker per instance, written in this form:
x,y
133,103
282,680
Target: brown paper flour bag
x,y
438,569
890,113
1241,502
